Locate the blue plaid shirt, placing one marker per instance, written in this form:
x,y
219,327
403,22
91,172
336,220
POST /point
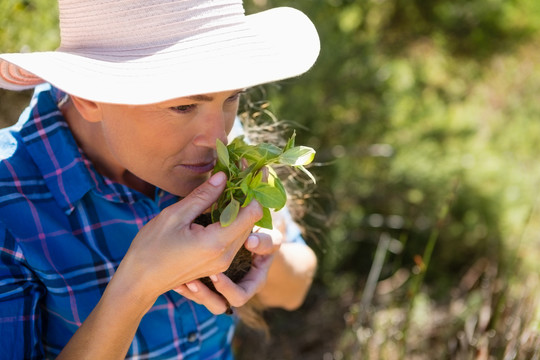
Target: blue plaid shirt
x,y
64,229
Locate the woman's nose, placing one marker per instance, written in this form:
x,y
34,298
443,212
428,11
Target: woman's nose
x,y
211,127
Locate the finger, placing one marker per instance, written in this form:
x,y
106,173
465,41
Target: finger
x,y
199,199
265,174
235,294
198,292
253,210
228,240
244,163
220,244
264,243
239,294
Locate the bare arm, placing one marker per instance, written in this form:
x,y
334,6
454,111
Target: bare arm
x,y
168,252
290,276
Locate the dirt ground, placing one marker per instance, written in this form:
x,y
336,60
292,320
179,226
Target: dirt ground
x,y
11,105
309,333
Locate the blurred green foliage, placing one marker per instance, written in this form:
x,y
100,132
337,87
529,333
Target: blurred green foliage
x,y
415,106
25,25
400,109
28,25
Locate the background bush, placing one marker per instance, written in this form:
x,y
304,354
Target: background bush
x,y
424,114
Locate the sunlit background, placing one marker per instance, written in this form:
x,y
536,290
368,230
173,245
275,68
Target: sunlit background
x,y
425,115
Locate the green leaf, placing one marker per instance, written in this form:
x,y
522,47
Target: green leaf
x,y
269,196
243,163
257,180
230,213
306,171
222,153
269,151
251,155
279,185
214,213
237,141
244,185
272,175
290,142
222,202
264,162
247,171
271,178
249,197
220,167
266,220
299,155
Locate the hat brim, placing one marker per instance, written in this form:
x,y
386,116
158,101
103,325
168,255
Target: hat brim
x,y
279,43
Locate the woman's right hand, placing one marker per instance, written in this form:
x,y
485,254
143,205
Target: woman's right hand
x,y
171,250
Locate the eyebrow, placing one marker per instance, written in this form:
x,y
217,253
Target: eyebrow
x,y
205,98
200,98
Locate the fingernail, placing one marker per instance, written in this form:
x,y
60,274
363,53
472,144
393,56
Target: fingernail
x,y
192,287
252,242
217,179
213,278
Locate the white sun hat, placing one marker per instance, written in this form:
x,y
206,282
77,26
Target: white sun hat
x,y
147,51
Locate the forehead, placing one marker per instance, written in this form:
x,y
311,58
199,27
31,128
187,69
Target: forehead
x,y
174,102
205,97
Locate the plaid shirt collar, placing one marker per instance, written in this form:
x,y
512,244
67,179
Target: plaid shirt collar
x,y
69,175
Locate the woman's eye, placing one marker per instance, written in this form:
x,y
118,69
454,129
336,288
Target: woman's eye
x,y
183,108
235,96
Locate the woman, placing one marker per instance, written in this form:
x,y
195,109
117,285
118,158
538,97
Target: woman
x,y
99,258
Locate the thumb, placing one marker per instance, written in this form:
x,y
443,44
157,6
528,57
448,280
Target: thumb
x,y
201,198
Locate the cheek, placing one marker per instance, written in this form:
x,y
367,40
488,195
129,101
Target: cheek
x,y
228,127
229,120
128,144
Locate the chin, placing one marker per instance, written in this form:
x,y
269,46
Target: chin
x,y
184,188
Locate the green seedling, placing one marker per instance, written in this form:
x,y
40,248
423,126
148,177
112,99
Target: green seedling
x,y
251,175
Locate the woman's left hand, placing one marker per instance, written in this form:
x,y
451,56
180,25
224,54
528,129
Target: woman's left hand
x,y
263,244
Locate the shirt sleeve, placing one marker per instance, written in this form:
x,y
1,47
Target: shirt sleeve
x,y
293,233
20,294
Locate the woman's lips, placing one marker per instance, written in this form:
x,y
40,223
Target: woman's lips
x,y
200,168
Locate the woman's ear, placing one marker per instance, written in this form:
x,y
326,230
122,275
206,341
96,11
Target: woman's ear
x,y
89,110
